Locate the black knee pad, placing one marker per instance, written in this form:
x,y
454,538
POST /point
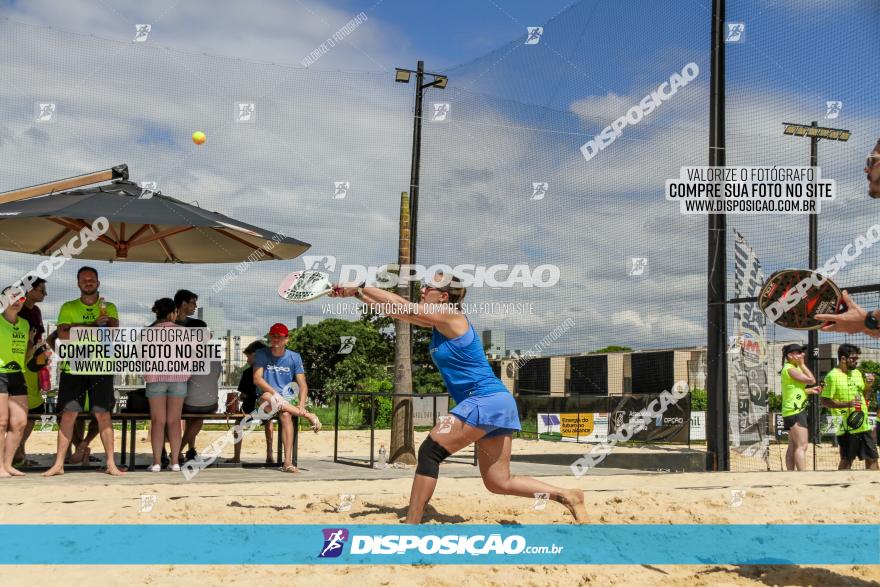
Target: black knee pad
x,y
431,455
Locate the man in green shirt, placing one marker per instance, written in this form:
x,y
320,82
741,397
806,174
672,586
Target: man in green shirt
x,y
844,393
88,310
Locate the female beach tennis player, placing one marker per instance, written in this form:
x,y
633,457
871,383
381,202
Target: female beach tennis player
x,y
796,376
485,412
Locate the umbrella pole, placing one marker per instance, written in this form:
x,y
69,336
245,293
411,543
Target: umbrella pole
x,y
118,172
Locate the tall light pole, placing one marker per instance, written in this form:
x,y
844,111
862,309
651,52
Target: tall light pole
x,y
438,81
814,132
717,415
402,442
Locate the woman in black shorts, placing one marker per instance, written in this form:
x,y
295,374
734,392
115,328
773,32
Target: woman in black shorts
x,y
14,337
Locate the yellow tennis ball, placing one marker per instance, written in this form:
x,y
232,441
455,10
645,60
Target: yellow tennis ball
x,y
199,137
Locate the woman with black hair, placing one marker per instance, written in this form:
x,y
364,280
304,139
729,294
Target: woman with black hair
x,y
165,392
796,376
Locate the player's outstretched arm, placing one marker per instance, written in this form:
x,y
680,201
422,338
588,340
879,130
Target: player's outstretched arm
x,y
397,307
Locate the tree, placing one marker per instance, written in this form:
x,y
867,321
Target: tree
x,y
615,349
872,367
426,378
402,439
328,371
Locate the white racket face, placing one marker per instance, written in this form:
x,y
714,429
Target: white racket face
x,y
302,286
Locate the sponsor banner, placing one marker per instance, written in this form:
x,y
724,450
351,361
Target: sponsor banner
x,y
747,357
238,544
586,427
827,425
781,434
673,425
698,425
423,410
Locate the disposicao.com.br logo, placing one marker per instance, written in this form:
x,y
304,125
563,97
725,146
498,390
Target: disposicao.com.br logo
x,y
430,544
393,275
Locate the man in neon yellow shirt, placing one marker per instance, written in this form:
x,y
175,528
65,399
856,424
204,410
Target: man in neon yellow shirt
x,y
74,390
844,392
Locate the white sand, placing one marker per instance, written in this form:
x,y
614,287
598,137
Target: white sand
x,y
784,498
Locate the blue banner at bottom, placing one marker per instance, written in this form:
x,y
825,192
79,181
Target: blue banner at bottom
x,y
277,544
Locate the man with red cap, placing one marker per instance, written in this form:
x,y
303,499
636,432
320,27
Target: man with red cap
x,y
278,371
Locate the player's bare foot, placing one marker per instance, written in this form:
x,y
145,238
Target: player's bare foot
x,y
114,471
573,499
55,470
13,472
4,474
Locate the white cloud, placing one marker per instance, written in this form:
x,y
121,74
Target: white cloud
x,y
121,102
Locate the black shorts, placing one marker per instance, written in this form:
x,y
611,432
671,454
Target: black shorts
x,y
40,409
73,389
248,402
212,409
857,446
13,383
799,418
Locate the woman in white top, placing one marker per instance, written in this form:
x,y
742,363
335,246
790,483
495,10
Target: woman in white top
x,y
165,392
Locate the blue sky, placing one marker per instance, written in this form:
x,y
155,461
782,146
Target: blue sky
x,y
519,114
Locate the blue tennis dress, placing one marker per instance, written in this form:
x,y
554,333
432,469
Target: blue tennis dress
x,y
481,399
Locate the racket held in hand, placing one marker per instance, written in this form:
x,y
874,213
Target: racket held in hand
x,y
792,297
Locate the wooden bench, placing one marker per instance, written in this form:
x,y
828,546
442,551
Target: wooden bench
x,y
129,449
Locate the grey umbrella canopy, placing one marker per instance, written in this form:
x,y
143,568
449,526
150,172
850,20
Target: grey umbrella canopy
x,y
143,227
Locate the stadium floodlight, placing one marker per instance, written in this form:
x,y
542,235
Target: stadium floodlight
x,y
814,131
439,81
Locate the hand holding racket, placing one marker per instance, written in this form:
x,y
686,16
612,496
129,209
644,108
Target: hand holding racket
x,y
303,286
342,290
801,299
850,322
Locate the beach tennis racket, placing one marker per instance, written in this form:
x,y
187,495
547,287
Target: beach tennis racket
x,y
799,299
302,286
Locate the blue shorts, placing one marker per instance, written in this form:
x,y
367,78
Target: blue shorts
x,y
495,413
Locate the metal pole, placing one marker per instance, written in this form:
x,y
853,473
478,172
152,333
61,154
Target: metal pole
x,y
414,168
372,425
717,424
336,431
813,335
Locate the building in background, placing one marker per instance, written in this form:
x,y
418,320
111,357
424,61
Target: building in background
x,y
495,343
213,316
234,359
305,320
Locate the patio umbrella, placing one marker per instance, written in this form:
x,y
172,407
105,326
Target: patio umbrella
x,y
143,226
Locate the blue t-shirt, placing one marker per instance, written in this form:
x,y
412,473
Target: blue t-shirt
x,y
463,364
280,372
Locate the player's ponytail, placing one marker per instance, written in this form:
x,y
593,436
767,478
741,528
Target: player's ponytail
x,y
162,307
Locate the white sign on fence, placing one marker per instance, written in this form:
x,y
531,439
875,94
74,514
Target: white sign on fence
x,y
423,410
588,427
698,425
